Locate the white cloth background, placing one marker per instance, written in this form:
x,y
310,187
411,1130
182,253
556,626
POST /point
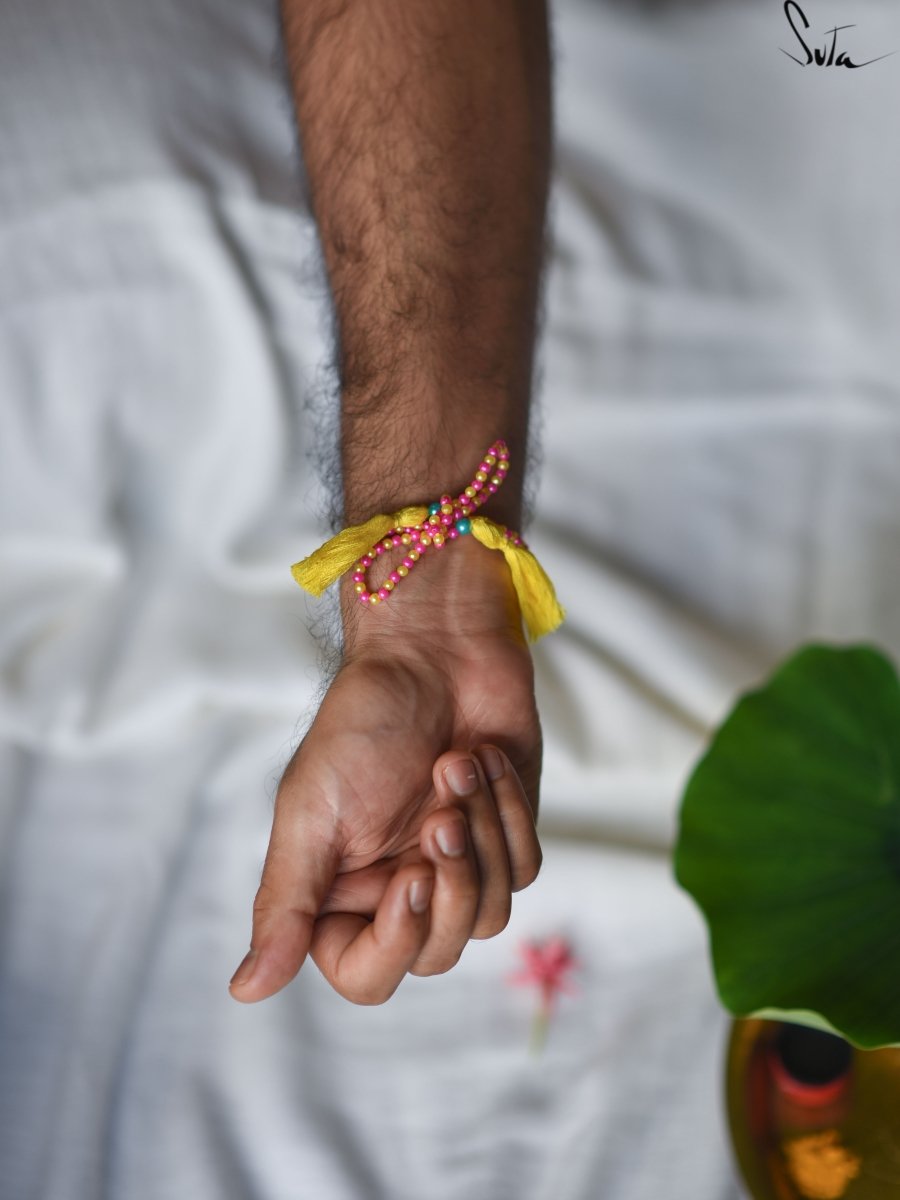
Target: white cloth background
x,y
721,443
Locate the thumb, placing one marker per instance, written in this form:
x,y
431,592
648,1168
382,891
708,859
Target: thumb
x,y
300,867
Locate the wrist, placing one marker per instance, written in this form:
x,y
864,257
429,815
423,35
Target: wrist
x,y
455,597
468,586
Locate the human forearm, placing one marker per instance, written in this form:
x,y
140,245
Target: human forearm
x,y
425,131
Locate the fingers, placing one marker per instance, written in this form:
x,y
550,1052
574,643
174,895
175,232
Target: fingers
x,y
366,960
300,866
484,846
516,817
479,847
361,890
459,780
454,905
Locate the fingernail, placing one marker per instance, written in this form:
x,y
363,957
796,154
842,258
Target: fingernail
x,y
461,776
246,969
419,894
452,839
492,761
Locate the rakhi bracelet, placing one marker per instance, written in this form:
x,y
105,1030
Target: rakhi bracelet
x,y
447,520
419,529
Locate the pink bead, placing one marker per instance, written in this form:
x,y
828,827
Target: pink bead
x,y
364,597
383,593
379,549
477,485
396,540
359,577
394,577
366,561
484,467
492,487
419,547
452,534
409,562
447,519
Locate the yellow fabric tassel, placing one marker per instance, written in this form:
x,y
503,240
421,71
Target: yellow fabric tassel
x,y
329,562
541,611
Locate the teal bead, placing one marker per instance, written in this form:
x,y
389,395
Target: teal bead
x,y
434,508
463,525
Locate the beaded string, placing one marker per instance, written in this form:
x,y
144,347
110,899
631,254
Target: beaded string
x,y
447,520
417,529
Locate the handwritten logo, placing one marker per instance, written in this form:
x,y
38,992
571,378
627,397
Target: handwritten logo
x,y
828,56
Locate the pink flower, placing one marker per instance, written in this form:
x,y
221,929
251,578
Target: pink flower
x,y
547,965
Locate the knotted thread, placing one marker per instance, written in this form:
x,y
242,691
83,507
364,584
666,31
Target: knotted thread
x,y
419,528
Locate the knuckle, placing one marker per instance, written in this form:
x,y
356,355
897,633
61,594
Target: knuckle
x,y
264,900
466,886
489,926
368,995
436,966
462,879
526,877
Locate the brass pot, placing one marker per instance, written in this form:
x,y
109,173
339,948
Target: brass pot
x,y
811,1117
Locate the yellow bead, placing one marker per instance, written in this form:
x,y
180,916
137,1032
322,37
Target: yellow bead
x,y
359,588
425,539
402,571
387,543
405,539
490,459
470,491
388,585
438,539
480,476
496,480
446,508
414,555
374,599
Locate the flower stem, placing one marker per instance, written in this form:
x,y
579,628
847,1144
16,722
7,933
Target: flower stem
x,y
539,1030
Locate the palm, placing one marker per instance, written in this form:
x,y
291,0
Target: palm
x,y
365,768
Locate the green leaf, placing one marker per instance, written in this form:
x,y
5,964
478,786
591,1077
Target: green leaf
x,y
789,841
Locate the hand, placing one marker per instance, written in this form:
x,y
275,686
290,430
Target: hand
x,y
434,698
